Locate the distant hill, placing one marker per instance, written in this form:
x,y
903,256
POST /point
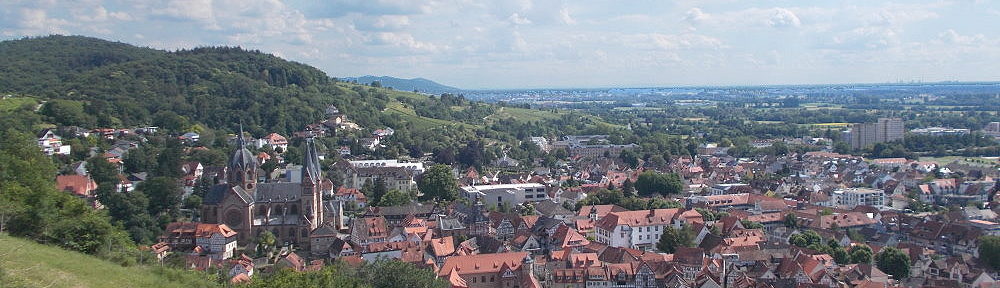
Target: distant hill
x,y
415,84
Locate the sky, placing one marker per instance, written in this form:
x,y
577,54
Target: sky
x,y
561,44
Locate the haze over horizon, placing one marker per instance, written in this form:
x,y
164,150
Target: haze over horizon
x,y
562,44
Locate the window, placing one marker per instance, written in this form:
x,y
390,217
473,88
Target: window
x,y
529,196
482,279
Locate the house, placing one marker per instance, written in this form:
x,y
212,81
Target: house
x,y
369,230
277,142
80,186
501,270
216,241
641,229
351,195
190,138
51,143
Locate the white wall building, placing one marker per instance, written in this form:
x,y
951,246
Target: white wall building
x,y
509,194
853,197
415,166
640,229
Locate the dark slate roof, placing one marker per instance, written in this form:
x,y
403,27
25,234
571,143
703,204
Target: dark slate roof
x,y
280,191
310,163
215,194
551,208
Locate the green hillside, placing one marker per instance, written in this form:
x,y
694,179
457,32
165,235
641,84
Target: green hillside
x,y
28,264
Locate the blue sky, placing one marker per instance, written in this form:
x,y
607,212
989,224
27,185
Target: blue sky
x,y
553,43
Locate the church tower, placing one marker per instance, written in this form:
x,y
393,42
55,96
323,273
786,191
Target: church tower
x,y
242,166
312,198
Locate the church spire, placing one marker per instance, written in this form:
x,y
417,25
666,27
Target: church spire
x,y
310,162
239,138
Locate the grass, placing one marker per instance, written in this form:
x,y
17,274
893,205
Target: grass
x,y
420,122
15,102
975,161
522,114
29,264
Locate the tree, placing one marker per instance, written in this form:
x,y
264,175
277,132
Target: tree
x,y
164,195
674,238
628,188
861,254
650,183
893,262
751,225
68,113
805,239
170,159
265,242
102,171
791,221
989,250
35,209
840,256
394,198
438,183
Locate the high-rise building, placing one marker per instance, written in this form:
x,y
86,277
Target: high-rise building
x,y
885,130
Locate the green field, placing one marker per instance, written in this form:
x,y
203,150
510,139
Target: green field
x,y
14,103
525,114
976,161
28,264
420,122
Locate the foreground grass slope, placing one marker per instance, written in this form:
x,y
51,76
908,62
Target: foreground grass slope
x,y
28,264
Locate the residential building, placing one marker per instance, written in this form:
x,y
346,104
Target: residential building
x,y
398,176
853,197
641,229
507,194
500,270
884,130
940,131
51,143
217,241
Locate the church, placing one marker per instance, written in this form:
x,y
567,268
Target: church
x,y
291,211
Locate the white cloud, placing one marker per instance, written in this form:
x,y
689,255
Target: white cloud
x,y
784,18
556,42
518,19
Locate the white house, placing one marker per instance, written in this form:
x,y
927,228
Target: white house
x,y
641,229
217,239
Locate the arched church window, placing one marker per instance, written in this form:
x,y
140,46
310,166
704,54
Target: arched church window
x,y
294,209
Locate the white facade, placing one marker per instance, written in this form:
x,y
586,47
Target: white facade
x,y
722,189
509,194
415,166
218,245
639,237
853,197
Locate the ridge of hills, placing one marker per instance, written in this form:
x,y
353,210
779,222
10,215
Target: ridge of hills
x,y
415,84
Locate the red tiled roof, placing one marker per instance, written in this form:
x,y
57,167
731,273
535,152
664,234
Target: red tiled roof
x,y
638,218
482,263
77,184
443,246
602,210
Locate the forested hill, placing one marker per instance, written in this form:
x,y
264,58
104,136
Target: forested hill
x,y
124,85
